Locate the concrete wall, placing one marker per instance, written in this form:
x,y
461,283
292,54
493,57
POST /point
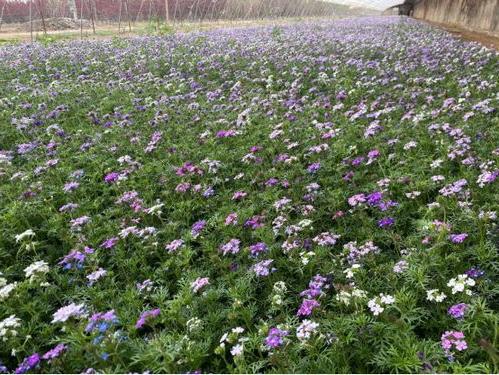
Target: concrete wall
x,y
477,15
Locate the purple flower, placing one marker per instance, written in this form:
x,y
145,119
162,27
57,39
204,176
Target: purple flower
x,y
374,198
54,352
29,363
174,245
307,307
275,338
71,186
315,287
263,268
255,222
109,243
458,238
457,311
231,247
475,272
197,227
314,167
258,248
386,222
111,177
102,321
145,316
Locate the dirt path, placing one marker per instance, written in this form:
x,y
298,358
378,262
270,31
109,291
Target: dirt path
x,y
483,38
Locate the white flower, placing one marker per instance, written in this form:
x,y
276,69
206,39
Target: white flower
x,y
23,235
237,350
387,299
460,283
375,304
436,163
8,326
435,295
3,281
39,267
375,308
349,272
400,266
66,312
6,290
306,329
155,210
194,324
238,330
96,275
413,194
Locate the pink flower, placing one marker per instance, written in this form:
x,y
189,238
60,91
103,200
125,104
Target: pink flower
x,y
199,283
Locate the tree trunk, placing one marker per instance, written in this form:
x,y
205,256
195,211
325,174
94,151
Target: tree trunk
x,y
40,10
72,9
128,17
81,19
119,17
1,15
31,19
92,16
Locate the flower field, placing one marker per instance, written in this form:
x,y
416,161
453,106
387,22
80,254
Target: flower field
x,y
320,197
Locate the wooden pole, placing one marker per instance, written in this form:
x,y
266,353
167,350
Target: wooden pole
x,y
167,12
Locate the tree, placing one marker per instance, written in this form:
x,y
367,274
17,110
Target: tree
x,y
72,9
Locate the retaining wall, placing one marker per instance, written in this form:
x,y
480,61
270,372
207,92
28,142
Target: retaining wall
x,y
476,15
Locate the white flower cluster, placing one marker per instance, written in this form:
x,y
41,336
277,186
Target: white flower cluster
x,y
376,304
194,325
349,272
28,233
66,312
8,327
306,329
5,289
461,283
279,290
435,295
346,297
36,269
234,339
